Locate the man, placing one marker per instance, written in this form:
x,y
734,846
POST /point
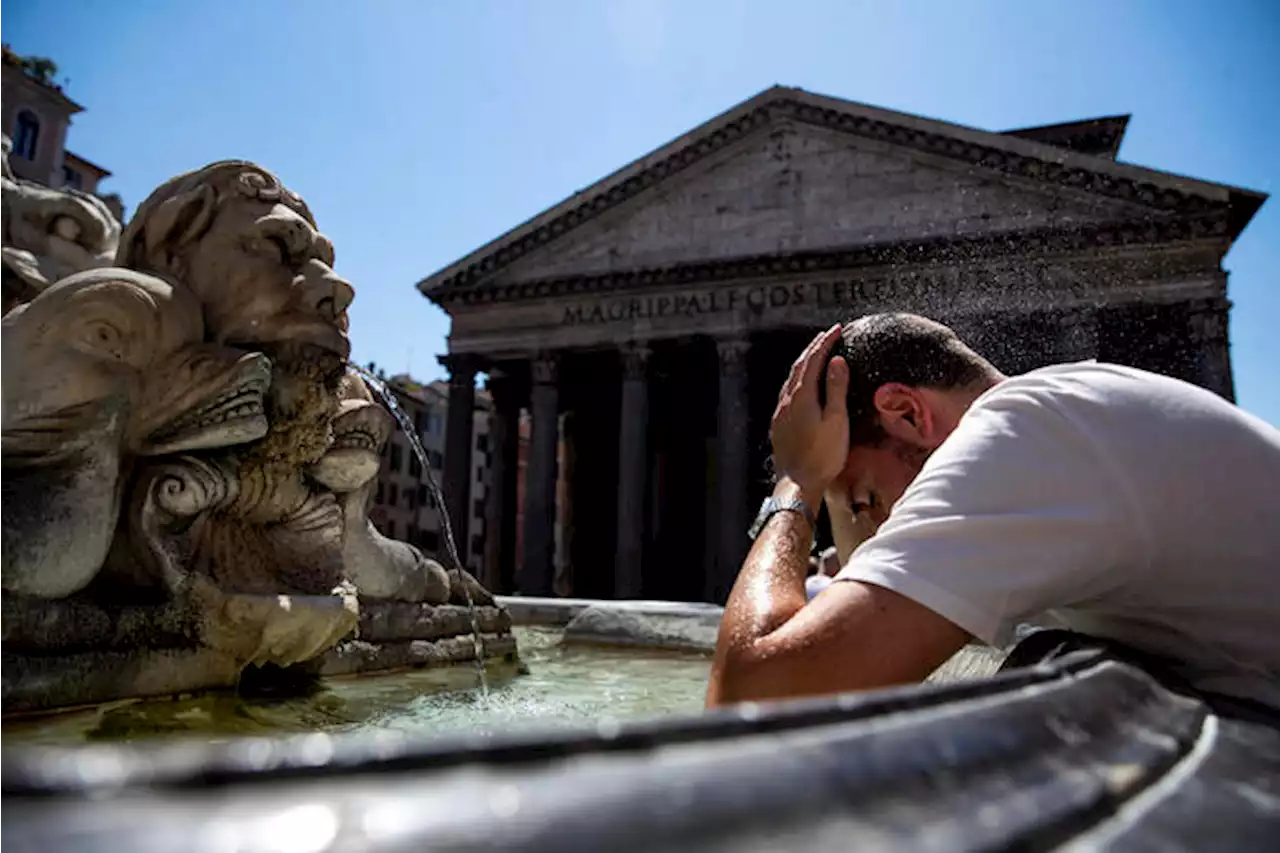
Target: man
x,y
1138,508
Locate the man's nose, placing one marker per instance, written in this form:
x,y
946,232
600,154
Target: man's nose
x,y
325,292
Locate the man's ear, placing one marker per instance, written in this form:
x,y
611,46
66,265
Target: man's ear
x,y
904,413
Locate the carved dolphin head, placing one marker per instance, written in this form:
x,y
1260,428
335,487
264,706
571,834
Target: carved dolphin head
x,y
50,234
119,357
360,429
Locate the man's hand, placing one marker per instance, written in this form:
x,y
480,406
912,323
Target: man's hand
x,y
810,443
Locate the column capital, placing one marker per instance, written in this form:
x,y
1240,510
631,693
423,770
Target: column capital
x,y
461,365
732,353
635,360
545,368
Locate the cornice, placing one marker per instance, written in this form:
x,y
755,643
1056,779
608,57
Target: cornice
x,y
1210,226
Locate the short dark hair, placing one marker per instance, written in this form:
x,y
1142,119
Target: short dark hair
x,y
904,348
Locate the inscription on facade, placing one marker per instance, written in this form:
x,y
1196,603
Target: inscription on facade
x,y
756,299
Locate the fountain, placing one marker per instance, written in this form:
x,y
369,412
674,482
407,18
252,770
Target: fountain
x,y
188,459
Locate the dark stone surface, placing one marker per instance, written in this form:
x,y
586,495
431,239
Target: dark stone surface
x,y
1082,748
356,656
45,682
615,627
397,620
64,625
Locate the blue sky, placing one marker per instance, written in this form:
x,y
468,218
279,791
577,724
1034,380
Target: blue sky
x,y
418,130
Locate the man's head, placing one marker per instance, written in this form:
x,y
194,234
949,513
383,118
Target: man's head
x,y
910,381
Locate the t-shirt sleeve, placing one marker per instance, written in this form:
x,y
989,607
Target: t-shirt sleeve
x,y
1018,512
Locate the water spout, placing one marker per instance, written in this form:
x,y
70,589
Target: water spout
x,y
415,444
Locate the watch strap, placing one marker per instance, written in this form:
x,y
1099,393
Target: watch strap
x,y
772,506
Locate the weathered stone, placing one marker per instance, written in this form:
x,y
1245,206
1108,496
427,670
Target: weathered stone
x,y
103,367
50,234
611,626
381,568
63,652
357,656
394,620
223,330
465,589
70,625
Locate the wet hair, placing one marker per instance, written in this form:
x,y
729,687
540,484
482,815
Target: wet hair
x,y
901,348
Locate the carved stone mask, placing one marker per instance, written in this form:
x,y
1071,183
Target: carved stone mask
x,y
249,249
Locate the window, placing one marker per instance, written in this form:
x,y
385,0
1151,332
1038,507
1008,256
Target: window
x,y
430,541
431,500
482,442
391,530
410,498
393,495
71,178
412,535
477,508
436,458
380,496
477,545
415,467
396,457
422,494
26,135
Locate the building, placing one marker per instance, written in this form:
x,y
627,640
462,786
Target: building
x,y
649,320
36,115
404,506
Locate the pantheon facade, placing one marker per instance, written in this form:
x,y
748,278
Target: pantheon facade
x,y
647,322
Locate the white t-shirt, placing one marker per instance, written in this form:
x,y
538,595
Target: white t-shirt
x,y
1136,507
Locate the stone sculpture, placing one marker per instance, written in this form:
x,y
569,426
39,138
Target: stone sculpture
x,y
411,610
381,568
49,234
102,368
187,460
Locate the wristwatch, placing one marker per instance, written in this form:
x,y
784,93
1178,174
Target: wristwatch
x,y
772,506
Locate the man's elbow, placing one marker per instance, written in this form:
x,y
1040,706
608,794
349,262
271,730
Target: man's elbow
x,y
744,674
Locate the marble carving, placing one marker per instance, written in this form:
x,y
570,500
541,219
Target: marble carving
x,y
187,461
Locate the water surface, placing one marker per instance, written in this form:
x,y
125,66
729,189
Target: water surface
x,y
565,686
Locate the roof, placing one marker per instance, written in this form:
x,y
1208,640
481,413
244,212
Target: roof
x,y
52,90
1023,154
1099,137
77,159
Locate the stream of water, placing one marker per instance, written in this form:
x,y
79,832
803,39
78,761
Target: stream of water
x,y
415,444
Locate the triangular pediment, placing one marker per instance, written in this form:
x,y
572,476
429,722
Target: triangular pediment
x,y
799,188
790,172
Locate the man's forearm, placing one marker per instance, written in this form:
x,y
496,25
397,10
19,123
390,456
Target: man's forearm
x,y
768,592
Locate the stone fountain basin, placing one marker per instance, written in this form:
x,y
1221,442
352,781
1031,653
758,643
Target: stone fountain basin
x,y
1086,748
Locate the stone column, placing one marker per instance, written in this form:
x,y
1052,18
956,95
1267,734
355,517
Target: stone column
x,y
566,456
537,569
1209,320
633,469
731,467
457,446
500,506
